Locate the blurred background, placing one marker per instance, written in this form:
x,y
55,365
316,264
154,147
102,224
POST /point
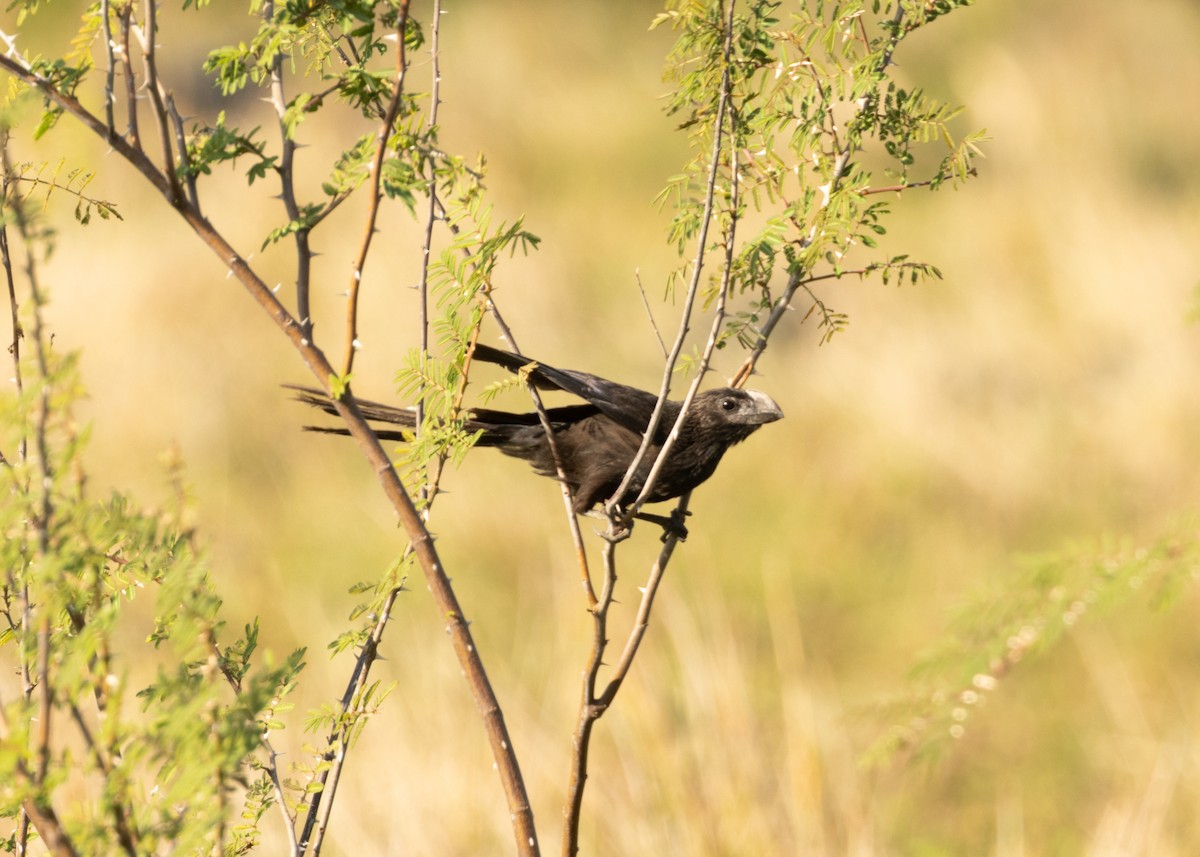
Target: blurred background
x,y
1043,393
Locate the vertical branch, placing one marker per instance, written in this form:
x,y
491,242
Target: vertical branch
x,y
590,710
7,201
289,827
316,821
13,586
193,192
110,69
149,58
287,182
642,621
689,301
592,705
431,215
718,319
125,18
386,128
34,810
560,474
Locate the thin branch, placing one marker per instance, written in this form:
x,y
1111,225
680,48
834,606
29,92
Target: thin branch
x,y
157,98
322,370
895,188
689,300
6,259
193,192
34,810
127,835
642,620
125,17
592,707
560,474
714,332
287,182
289,828
386,127
329,775
316,821
650,315
589,709
45,821
110,70
431,216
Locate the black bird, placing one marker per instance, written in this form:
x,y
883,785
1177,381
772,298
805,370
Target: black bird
x,y
597,441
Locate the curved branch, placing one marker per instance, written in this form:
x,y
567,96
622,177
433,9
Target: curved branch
x,y
385,135
317,363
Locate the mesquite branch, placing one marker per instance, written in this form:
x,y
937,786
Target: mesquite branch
x,y
163,180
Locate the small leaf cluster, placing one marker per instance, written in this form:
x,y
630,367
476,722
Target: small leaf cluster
x,y
33,187
815,130
340,51
459,282
166,730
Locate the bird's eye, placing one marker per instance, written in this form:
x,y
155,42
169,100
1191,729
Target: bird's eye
x,y
728,404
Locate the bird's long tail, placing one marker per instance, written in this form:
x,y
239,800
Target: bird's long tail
x,y
371,410
497,427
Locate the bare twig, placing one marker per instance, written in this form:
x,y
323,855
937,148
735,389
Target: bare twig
x,y
386,128
45,820
642,620
431,216
14,348
289,828
125,17
287,190
560,474
157,97
110,69
650,315
193,192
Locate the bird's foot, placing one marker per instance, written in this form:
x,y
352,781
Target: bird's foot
x,y
673,525
616,532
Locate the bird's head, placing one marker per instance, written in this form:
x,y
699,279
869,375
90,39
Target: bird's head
x,y
744,410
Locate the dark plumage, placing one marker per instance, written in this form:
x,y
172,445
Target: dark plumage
x,y
597,441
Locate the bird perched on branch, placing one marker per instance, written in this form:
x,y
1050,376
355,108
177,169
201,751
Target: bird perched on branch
x,y
596,442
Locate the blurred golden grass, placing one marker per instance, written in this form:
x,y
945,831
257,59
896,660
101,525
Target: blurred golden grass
x,y
1044,391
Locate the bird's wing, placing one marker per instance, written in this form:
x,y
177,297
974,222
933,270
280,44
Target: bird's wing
x,y
625,405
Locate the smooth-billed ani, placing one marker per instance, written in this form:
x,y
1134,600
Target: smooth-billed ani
x,y
597,441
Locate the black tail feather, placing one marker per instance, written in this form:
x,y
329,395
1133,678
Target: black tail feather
x,y
371,410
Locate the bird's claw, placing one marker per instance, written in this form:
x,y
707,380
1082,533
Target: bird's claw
x,y
676,526
617,532
672,525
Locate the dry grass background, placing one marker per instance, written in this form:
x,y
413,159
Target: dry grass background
x,y
1044,392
